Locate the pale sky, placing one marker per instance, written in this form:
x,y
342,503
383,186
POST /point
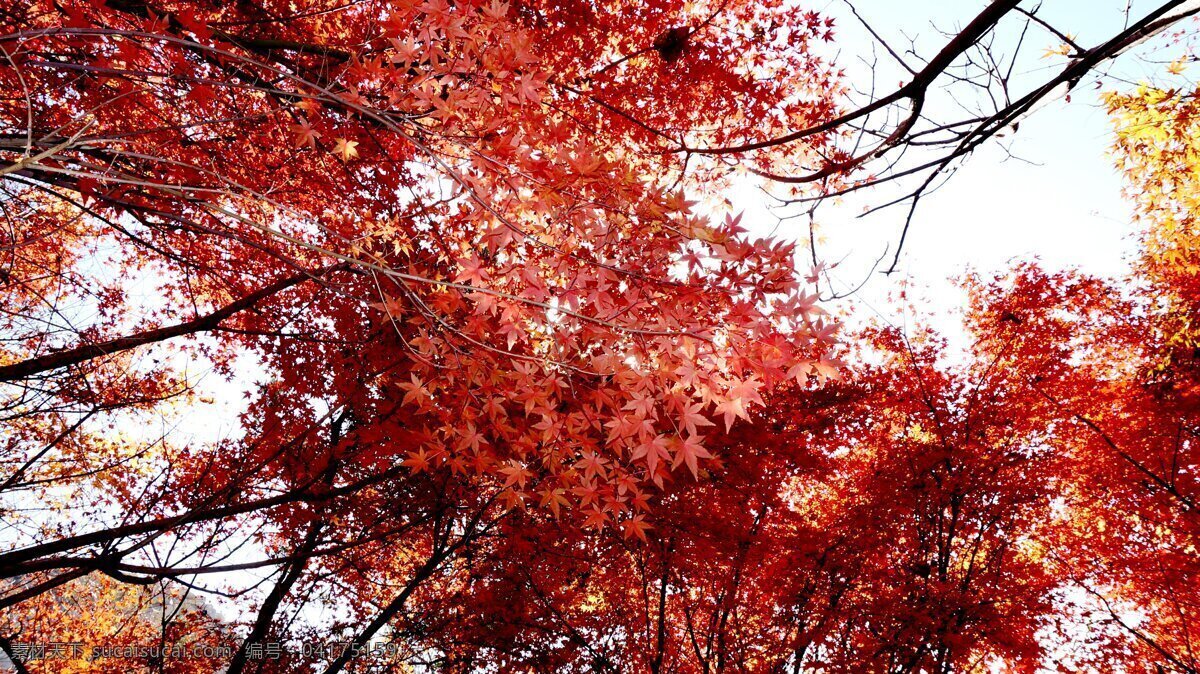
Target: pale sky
x,y
1060,202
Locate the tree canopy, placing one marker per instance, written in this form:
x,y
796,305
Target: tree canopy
x,y
495,378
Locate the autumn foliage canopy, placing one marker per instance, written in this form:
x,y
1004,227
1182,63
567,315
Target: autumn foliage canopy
x,y
399,335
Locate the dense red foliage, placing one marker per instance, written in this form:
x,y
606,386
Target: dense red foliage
x,y
516,393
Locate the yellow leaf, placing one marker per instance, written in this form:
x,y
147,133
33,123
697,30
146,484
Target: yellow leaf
x,y
346,149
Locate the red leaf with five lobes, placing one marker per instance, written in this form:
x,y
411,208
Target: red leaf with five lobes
x,y
652,452
691,419
415,392
635,527
496,10
596,519
418,461
592,465
642,405
472,271
555,500
194,24
530,88
828,367
515,474
690,452
305,135
736,403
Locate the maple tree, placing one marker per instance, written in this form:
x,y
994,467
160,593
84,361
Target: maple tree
x,y
469,282
518,393
796,557
1030,508
102,624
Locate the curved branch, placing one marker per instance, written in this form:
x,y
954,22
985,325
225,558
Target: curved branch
x,y
205,323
